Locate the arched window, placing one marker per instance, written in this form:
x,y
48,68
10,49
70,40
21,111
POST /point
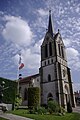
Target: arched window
x,y
49,78
25,94
46,51
62,51
59,49
50,97
50,49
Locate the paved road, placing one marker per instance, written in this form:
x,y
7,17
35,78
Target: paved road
x,y
13,117
76,109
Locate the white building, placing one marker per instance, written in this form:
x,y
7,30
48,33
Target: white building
x,y
54,78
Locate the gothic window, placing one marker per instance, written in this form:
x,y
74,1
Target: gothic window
x,y
25,94
59,49
49,78
50,49
62,51
46,51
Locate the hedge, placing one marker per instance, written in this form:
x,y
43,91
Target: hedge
x,y
33,97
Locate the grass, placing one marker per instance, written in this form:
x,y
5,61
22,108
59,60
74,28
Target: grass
x,y
67,116
3,118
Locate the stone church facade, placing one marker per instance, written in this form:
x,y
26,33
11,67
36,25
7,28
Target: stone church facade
x,y
54,78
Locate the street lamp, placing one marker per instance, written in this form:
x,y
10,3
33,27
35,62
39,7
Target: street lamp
x,y
1,90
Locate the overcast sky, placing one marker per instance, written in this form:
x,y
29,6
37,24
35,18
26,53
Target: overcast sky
x,y
23,25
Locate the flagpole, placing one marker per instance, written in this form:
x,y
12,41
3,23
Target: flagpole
x,y
18,80
20,66
18,73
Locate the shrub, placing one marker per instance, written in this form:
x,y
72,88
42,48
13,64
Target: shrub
x,y
32,111
45,106
69,107
33,97
61,110
41,110
38,110
53,107
18,101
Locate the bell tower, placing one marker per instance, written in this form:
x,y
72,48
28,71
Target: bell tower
x,y
55,75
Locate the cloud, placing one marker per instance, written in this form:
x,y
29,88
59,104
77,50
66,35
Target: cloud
x,y
67,42
30,60
30,56
17,30
76,86
73,58
37,47
72,53
42,12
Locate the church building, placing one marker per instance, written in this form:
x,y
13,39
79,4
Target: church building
x,y
54,78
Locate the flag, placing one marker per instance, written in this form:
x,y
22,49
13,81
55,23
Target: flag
x,y
21,65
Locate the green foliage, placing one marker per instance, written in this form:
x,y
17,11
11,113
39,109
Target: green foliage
x,y
9,94
68,116
38,110
3,118
33,97
69,107
62,110
18,101
53,107
41,110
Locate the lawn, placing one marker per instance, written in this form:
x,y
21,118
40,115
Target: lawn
x,y
3,119
67,116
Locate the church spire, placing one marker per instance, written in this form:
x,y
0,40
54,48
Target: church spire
x,y
50,29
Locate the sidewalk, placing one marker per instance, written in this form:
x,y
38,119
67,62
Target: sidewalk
x,y
13,117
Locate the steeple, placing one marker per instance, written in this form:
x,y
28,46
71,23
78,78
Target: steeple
x,y
50,29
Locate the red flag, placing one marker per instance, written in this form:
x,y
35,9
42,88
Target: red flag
x,y
21,66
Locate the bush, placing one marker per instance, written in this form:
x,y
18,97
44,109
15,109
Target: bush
x,y
41,110
33,97
61,110
18,101
69,107
53,107
38,110
45,106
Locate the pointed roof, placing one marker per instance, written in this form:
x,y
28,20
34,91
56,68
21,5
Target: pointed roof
x,y
50,28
